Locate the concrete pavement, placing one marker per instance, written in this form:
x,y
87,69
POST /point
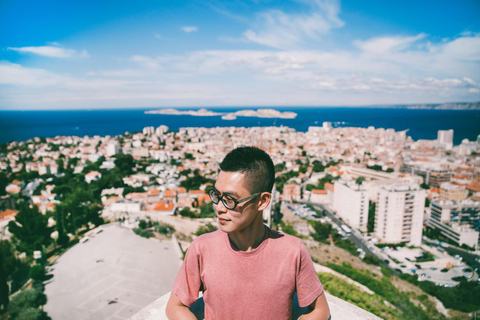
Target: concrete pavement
x,y
113,275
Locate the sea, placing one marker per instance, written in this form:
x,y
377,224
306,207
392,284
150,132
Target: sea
x,y
420,123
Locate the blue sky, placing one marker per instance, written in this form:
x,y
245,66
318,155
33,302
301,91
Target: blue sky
x,y
126,54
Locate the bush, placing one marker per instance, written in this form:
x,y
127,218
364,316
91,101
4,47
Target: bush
x,y
371,259
37,272
186,212
142,224
164,228
143,233
290,230
463,297
347,245
28,299
205,229
30,314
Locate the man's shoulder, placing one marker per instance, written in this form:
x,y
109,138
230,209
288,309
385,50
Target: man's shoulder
x,y
208,238
284,240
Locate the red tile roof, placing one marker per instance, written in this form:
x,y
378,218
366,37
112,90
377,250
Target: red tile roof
x,y
163,207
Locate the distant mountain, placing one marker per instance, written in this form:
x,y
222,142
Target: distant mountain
x,y
437,106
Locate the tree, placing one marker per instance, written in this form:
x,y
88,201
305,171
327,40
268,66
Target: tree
x,y
186,212
3,183
30,227
318,166
37,272
371,216
425,186
25,304
360,180
60,164
124,163
7,267
78,210
322,231
207,211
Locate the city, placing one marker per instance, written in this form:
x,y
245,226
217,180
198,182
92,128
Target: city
x,y
360,198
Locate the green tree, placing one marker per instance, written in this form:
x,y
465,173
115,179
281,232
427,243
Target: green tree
x,y
30,227
360,180
322,231
318,166
186,212
207,211
24,304
124,163
3,183
7,267
37,272
371,216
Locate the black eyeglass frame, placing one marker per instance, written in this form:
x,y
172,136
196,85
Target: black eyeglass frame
x,y
215,192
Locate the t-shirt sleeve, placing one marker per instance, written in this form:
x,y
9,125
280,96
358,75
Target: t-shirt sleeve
x,y
308,285
188,281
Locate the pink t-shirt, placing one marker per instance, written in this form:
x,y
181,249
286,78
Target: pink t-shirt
x,y
247,285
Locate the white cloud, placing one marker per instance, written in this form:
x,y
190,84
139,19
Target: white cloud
x,y
158,36
15,74
51,52
189,29
146,61
281,30
402,74
383,45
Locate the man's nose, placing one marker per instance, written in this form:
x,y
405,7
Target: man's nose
x,y
220,207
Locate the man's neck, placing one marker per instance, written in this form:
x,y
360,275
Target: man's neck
x,y
249,238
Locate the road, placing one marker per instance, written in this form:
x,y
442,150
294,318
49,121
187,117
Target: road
x,y
355,237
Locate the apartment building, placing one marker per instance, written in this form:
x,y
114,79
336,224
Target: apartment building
x,y
291,192
458,221
433,176
399,214
350,200
449,191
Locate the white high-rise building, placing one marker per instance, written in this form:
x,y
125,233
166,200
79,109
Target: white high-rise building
x,y
161,130
399,214
112,148
445,138
327,125
350,200
148,131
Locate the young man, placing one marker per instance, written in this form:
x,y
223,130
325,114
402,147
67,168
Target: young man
x,y
246,270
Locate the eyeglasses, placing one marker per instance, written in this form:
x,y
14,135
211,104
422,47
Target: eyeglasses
x,y
228,201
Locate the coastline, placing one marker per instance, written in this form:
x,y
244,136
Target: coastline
x,y
421,123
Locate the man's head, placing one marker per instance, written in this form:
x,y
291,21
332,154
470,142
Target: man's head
x,y
247,176
255,164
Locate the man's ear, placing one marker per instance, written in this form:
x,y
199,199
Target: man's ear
x,y
265,199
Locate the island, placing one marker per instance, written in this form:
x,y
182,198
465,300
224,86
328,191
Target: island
x,y
259,113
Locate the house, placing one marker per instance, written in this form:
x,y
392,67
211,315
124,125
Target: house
x,y
318,196
153,195
164,208
13,189
128,206
5,217
170,196
92,176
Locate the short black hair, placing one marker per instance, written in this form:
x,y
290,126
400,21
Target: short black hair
x,y
255,163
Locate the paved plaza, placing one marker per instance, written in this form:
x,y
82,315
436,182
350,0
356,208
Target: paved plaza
x,y
113,275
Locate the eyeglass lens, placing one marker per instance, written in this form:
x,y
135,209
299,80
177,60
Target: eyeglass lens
x,y
227,200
